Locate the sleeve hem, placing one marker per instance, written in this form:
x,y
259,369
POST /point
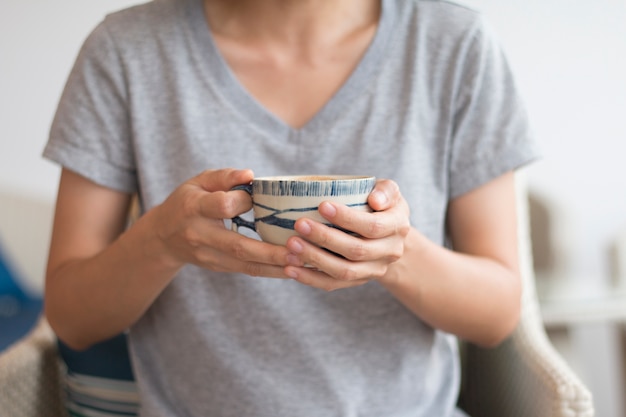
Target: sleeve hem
x,y
97,170
488,172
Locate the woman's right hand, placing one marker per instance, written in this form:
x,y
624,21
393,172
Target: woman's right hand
x,y
102,276
189,227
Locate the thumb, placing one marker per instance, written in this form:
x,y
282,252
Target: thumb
x,y
385,194
222,179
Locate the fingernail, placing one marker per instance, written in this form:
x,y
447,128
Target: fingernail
x,y
295,246
303,227
379,197
327,209
292,273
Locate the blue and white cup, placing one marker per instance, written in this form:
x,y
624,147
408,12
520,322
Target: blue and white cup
x,y
279,201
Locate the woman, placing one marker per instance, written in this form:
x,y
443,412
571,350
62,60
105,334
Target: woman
x,y
165,96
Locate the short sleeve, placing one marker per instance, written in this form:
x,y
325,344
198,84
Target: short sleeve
x,y
491,131
90,133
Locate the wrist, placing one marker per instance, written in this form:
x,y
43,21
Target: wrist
x,y
154,246
407,270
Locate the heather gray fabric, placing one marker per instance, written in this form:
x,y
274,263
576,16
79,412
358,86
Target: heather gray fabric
x,y
150,103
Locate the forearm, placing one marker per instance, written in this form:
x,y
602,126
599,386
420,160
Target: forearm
x,y
88,300
475,298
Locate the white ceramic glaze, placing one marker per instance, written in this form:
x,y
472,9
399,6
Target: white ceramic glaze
x,y
279,201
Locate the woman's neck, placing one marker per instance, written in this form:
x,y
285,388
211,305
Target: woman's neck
x,y
292,56
294,23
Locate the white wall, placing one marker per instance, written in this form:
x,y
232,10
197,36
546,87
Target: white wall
x,y
569,58
39,40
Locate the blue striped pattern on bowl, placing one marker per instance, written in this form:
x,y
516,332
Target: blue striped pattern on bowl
x,y
333,186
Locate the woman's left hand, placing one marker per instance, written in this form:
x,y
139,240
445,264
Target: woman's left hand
x,y
362,259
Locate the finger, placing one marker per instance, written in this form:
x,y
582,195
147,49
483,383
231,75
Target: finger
x,y
370,225
317,279
351,247
228,251
220,262
333,265
246,249
253,269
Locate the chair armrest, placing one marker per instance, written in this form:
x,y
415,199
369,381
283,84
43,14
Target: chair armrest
x,y
30,376
525,376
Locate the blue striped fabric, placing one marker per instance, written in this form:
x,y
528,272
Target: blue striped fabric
x,y
99,381
89,396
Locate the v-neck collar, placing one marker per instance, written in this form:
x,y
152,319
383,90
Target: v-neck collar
x,y
228,86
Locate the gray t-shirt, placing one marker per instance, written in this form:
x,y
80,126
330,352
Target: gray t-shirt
x,y
432,105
